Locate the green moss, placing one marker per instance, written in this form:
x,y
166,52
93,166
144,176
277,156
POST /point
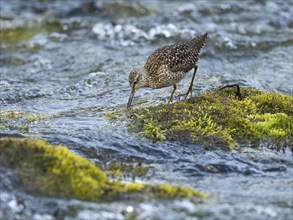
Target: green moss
x,y
10,36
154,132
27,31
273,103
55,171
122,9
117,170
274,126
168,191
111,115
218,119
19,121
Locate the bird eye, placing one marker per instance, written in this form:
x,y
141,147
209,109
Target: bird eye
x,y
135,82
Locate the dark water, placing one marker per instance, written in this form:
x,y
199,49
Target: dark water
x,y
69,61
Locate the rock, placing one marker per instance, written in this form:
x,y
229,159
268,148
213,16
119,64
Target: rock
x,y
216,119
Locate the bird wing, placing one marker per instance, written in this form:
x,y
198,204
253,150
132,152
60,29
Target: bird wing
x,y
181,58
176,57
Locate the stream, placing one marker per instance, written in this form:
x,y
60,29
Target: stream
x,y
69,61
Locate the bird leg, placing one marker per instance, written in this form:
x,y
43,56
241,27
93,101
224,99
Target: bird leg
x,y
171,97
191,84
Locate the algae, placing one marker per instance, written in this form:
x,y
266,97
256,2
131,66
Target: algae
x,y
218,119
53,170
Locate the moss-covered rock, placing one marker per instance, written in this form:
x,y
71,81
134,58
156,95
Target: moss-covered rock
x,y
18,121
219,119
116,169
16,34
123,9
55,171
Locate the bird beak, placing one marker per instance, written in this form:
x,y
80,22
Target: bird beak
x,y
131,97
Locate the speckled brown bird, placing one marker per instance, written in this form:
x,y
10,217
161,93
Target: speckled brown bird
x,y
166,66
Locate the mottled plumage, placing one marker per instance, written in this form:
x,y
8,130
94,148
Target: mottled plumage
x,y
167,65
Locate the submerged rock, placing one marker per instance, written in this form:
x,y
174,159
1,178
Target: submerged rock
x,y
55,171
122,9
14,31
217,119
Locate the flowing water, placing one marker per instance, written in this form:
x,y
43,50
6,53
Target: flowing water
x,y
69,61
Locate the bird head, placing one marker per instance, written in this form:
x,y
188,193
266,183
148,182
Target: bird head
x,y
136,80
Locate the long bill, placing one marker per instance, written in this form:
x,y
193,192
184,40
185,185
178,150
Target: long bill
x,y
130,98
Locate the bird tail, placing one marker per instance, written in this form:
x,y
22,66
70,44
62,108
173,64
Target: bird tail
x,y
198,42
